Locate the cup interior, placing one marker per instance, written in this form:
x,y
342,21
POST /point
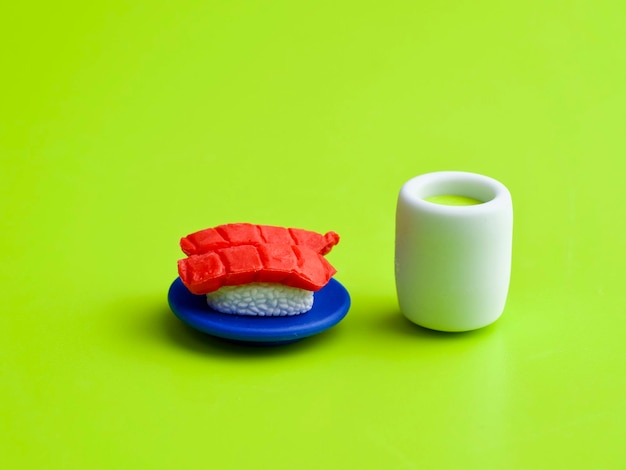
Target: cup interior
x,y
467,190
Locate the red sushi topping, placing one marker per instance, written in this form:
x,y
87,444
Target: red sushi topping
x,y
236,254
222,236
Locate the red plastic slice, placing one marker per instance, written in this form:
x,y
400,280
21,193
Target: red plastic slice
x,y
273,234
295,266
279,261
222,236
242,264
203,241
313,271
319,243
241,234
202,273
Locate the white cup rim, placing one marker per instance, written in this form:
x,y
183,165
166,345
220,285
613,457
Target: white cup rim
x,y
491,192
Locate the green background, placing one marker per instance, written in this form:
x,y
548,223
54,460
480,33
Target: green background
x,y
125,125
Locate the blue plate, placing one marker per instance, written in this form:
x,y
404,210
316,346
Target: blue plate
x,y
330,304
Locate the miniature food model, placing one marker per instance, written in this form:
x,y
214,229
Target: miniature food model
x,y
262,270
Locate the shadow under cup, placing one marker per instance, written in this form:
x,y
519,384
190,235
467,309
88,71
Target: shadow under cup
x,y
453,250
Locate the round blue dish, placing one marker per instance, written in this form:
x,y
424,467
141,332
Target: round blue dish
x,y
330,305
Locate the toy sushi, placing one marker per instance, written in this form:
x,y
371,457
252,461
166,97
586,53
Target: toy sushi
x,y
258,283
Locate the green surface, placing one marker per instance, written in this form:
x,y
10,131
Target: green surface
x,y
127,124
453,200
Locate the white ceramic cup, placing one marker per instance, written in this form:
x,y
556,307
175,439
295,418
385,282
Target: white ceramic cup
x,y
453,263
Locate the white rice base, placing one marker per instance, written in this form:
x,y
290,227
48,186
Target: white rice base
x,y
264,299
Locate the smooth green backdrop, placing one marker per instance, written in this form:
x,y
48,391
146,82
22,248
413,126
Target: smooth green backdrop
x,y
127,124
